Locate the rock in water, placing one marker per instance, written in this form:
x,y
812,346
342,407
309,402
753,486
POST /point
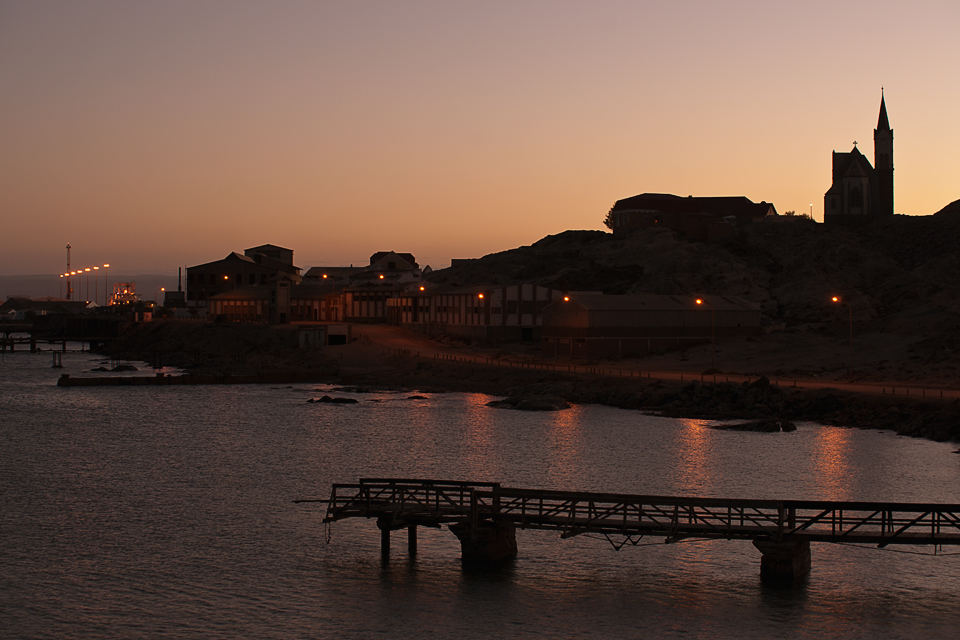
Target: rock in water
x,y
531,403
329,400
763,426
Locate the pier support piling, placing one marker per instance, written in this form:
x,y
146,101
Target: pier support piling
x,y
383,523
412,540
486,542
783,561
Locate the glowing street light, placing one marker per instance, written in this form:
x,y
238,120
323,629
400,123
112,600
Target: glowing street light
x,y
96,287
106,286
87,271
156,298
713,331
838,300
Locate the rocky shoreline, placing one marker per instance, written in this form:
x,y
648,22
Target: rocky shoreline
x,y
243,350
759,400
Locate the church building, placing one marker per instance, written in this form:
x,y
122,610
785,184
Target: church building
x,y
860,192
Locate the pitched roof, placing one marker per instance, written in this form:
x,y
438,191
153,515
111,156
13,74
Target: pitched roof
x,y
263,261
406,257
268,247
851,164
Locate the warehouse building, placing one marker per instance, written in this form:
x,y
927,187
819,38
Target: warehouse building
x,y
599,326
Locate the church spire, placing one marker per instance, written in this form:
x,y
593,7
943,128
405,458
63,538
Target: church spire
x,y
883,161
882,123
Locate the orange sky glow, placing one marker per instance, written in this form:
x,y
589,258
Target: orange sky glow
x,y
158,135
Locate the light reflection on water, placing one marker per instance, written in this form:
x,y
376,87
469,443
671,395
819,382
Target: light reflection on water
x,y
166,512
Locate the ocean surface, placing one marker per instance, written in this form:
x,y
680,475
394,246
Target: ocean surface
x,y
167,512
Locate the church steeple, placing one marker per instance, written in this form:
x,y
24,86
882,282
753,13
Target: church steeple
x,y
883,160
882,123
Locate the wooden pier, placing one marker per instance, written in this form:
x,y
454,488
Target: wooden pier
x,y
10,344
484,516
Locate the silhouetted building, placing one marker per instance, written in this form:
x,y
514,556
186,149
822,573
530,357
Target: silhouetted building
x,y
710,218
22,308
393,261
278,302
488,313
257,266
600,326
860,192
339,276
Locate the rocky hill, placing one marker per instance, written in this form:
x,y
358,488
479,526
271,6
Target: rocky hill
x,y
901,276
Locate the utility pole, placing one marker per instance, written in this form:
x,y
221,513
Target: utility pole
x,y
69,280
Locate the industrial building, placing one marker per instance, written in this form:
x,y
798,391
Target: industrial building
x,y
279,302
257,266
600,326
490,314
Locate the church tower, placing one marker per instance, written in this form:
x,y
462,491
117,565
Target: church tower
x,y
883,162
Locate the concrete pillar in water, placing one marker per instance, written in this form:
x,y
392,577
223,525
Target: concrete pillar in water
x,y
786,560
486,542
412,540
383,523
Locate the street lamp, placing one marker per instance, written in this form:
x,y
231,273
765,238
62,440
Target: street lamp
x,y
156,299
106,287
811,211
713,331
87,271
837,300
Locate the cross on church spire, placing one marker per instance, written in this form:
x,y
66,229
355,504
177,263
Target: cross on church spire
x,y
854,144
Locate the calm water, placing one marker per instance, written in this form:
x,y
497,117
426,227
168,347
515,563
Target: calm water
x,y
167,513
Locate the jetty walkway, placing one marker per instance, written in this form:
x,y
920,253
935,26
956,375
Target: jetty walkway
x,y
485,516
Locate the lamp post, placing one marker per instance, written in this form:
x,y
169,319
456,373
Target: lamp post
x,y
838,300
156,299
96,285
87,271
713,331
106,287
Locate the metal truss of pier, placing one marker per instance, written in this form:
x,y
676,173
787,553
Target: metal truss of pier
x,y
485,515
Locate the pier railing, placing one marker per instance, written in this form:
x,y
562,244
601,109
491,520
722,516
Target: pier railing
x,y
407,502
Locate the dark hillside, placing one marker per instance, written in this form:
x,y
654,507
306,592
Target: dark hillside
x,y
901,276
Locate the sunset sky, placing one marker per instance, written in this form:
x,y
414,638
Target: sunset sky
x,y
153,135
